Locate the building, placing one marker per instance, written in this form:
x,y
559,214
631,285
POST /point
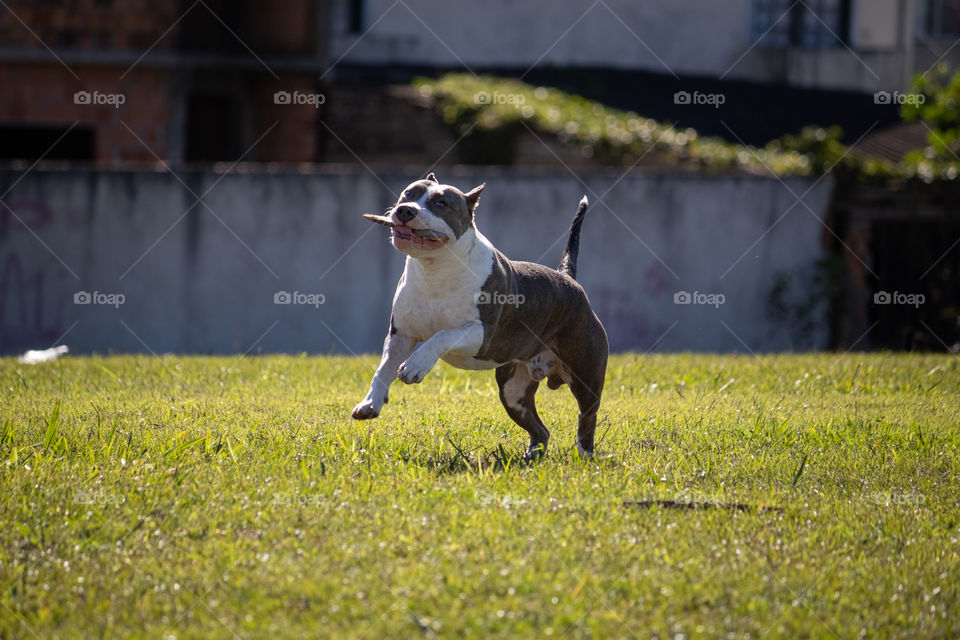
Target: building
x,y
128,82
132,83
865,45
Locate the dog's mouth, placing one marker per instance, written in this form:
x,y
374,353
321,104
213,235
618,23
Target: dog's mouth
x,y
405,237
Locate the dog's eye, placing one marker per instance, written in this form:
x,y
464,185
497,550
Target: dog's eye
x,y
439,203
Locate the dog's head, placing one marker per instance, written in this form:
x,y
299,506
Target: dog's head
x,y
428,216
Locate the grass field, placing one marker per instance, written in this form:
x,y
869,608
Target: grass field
x,y
201,497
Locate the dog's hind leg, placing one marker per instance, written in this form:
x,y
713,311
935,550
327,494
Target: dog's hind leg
x,y
517,392
588,399
586,367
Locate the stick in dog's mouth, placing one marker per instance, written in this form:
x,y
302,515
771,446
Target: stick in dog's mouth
x,y
386,221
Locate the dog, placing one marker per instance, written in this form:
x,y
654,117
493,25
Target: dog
x,y
463,301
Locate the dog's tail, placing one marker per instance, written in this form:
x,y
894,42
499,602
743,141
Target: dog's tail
x,y
568,263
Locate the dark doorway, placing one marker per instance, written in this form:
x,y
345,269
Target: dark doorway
x,y
914,258
214,131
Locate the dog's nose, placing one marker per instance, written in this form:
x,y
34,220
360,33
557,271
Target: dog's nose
x,y
405,213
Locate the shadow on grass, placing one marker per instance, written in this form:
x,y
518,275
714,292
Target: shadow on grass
x,y
496,459
676,504
480,460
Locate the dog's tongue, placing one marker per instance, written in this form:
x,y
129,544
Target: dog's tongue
x,y
385,220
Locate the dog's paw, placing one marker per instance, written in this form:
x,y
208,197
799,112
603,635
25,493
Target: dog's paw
x,y
414,370
365,410
535,451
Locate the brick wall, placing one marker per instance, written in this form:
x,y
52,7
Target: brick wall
x,y
292,30
44,95
382,125
136,25
39,90
294,138
88,24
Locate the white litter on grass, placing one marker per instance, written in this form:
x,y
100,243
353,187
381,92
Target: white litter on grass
x,y
45,355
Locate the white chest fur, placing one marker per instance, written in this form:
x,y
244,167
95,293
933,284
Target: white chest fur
x,y
439,292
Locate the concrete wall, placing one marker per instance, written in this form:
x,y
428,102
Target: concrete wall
x,y
203,280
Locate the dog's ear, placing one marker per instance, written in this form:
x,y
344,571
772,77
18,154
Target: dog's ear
x,y
472,197
431,177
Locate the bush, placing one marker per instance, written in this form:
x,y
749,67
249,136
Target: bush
x,y
496,110
490,113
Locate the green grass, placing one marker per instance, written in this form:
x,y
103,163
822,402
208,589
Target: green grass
x,y
202,497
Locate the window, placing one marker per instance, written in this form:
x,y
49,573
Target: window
x,y
939,19
810,23
355,17
28,142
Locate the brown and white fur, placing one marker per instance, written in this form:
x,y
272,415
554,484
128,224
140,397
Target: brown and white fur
x,y
463,301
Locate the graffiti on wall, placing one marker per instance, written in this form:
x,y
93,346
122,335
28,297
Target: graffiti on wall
x,y
33,307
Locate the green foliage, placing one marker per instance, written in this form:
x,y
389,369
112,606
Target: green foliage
x,y
210,497
821,146
939,109
496,110
493,112
940,103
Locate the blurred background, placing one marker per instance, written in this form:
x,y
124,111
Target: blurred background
x,y
764,175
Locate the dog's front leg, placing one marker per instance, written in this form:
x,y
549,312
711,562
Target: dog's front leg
x,y
396,348
464,340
